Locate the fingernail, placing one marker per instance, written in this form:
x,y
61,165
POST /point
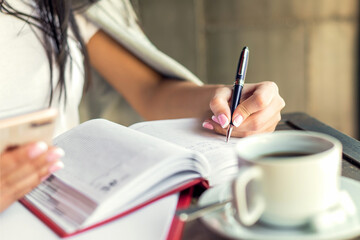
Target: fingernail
x,y
46,177
57,166
207,125
215,119
238,120
55,154
38,149
223,120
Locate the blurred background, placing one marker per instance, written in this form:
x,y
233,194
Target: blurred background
x,y
310,48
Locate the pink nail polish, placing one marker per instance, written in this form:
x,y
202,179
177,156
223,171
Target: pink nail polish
x,y
223,120
37,149
238,120
46,177
215,119
55,154
57,166
207,125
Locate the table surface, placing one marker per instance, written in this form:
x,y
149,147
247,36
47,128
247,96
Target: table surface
x,y
196,230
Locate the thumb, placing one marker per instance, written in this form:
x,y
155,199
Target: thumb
x,y
258,101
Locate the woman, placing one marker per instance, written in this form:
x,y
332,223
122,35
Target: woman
x,y
39,39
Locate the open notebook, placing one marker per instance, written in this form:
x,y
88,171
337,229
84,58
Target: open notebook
x,y
111,170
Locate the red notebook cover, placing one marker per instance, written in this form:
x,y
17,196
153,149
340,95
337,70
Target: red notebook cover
x,y
184,201
177,226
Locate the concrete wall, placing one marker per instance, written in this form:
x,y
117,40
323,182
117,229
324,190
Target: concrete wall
x,y
308,47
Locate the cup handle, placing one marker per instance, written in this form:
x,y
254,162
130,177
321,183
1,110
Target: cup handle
x,y
245,176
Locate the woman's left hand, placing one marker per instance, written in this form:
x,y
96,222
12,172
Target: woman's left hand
x,y
258,111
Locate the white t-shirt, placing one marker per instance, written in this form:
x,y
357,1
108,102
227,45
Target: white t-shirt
x,y
25,72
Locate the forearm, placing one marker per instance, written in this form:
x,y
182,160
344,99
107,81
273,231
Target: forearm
x,y
146,91
176,99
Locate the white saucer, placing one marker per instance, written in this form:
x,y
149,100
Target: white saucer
x,y
223,222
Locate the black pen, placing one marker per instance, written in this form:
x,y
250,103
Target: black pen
x,y
238,86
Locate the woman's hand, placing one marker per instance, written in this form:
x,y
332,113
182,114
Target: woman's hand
x,y
23,168
258,111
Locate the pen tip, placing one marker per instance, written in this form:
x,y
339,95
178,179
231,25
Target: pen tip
x,y
228,133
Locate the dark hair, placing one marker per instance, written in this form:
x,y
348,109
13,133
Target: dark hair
x,y
54,18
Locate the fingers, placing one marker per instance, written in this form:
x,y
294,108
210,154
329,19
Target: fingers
x,y
259,100
243,131
219,105
42,166
214,126
21,154
264,119
24,168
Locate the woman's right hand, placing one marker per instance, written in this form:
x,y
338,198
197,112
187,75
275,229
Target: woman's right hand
x,y
258,111
24,167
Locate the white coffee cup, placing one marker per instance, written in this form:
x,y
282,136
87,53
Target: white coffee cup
x,y
286,191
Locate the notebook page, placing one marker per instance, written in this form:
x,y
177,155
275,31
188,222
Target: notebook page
x,y
102,157
188,133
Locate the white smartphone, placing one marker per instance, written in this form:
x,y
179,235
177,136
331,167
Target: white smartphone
x,y
30,127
